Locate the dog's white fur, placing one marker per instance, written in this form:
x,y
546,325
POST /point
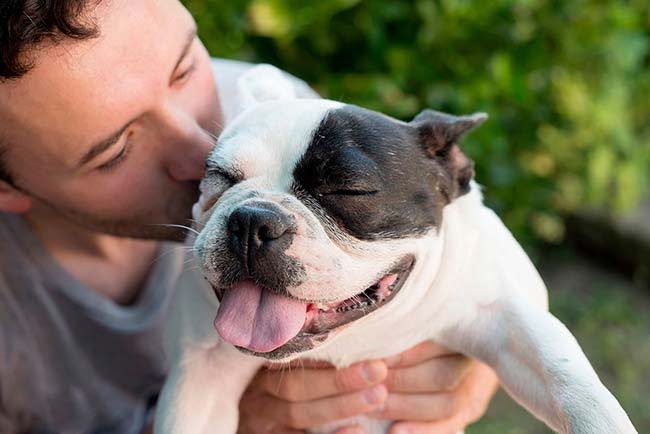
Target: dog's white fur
x,y
473,290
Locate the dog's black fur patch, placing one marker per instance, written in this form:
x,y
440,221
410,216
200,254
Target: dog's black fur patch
x,y
377,177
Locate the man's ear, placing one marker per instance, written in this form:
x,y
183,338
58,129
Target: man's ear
x,y
13,200
439,133
264,83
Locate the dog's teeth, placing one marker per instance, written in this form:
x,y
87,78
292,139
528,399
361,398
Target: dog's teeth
x,y
359,305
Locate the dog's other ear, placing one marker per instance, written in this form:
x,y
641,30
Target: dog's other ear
x,y
439,133
264,83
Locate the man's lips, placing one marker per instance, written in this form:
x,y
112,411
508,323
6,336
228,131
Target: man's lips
x,y
262,321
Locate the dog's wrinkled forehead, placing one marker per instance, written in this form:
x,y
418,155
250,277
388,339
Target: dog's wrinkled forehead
x,y
365,171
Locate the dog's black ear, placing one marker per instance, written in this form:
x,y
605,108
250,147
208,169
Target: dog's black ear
x,y
439,133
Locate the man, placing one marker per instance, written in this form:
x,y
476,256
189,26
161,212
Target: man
x,y
108,110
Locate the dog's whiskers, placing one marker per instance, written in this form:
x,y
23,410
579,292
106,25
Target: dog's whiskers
x,y
197,223
187,249
187,228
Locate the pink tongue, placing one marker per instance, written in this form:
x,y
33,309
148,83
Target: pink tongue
x,y
258,319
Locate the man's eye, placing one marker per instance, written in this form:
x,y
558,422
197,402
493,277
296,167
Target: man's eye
x,y
185,75
115,161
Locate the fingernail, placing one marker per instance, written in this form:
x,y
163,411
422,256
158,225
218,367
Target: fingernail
x,y
393,361
373,372
376,395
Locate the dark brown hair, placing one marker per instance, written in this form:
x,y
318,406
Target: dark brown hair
x,y
26,23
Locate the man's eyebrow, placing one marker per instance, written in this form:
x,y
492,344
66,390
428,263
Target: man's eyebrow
x,y
101,146
186,49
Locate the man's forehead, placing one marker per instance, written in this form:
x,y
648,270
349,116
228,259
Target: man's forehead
x,y
81,90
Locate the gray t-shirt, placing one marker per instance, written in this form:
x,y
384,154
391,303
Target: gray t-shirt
x,y
71,360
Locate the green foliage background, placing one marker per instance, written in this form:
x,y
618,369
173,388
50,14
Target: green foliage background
x,y
567,84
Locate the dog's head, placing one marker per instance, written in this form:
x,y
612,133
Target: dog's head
x,y
311,209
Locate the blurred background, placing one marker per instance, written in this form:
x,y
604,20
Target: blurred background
x,y
564,158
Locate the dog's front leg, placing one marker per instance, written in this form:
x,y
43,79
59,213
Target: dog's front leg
x,y
540,365
202,392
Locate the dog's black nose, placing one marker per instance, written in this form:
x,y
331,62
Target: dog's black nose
x,y
259,229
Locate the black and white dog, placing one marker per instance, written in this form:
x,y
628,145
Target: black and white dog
x,y
340,234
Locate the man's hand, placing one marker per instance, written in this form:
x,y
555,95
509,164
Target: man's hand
x,y
434,391
295,397
427,389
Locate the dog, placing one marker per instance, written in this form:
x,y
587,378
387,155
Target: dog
x,y
340,234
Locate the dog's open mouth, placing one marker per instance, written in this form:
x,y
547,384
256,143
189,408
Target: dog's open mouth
x,y
264,323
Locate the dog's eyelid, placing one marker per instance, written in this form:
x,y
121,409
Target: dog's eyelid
x,y
231,175
350,192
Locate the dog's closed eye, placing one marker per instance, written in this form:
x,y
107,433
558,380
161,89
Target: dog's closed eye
x,y
232,176
351,190
216,182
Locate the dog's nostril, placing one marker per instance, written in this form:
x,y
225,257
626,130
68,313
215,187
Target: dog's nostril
x,y
269,232
266,234
254,226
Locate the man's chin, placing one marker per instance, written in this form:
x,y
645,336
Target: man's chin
x,y
161,232
176,229
171,228
171,222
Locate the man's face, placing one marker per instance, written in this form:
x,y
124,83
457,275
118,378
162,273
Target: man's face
x,y
112,132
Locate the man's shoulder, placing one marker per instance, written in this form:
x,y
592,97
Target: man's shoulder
x,y
228,71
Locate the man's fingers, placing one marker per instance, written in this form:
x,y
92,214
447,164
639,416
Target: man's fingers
x,y
287,431
442,427
309,384
419,408
441,374
301,415
418,354
441,411
351,430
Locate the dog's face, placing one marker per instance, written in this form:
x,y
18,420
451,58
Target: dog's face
x,y
310,211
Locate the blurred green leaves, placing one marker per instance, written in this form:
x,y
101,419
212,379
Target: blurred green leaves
x,y
567,84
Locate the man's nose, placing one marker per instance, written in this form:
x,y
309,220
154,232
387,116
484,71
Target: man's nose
x,y
258,233
187,145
